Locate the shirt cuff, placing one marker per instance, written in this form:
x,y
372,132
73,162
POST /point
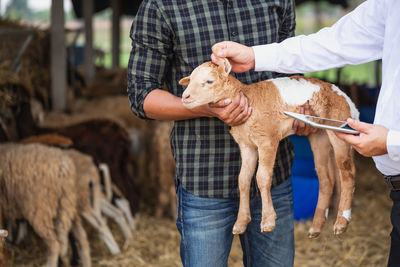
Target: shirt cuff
x,y
265,57
393,144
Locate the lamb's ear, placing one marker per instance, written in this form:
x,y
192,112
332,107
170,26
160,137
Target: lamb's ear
x,y
225,66
185,81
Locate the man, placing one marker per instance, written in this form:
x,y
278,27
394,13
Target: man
x,y
368,33
169,39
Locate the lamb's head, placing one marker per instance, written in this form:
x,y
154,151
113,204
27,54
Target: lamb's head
x,y
206,84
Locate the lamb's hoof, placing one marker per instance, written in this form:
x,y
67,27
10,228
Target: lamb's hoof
x,y
238,230
340,225
339,230
268,223
267,227
313,234
241,224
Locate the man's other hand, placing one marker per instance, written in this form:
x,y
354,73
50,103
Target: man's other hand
x,y
302,128
232,112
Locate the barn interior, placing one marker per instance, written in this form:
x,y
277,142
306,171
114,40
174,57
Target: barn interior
x,y
63,84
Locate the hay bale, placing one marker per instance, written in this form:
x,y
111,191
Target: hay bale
x,y
35,62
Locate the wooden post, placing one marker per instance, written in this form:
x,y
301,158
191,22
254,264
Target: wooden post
x,y
88,9
58,56
115,32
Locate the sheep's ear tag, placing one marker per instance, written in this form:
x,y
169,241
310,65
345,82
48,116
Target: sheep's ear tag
x,y
185,81
225,66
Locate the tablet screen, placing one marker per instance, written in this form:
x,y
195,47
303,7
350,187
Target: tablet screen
x,y
327,122
324,123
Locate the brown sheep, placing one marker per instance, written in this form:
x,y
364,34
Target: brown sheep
x,y
259,136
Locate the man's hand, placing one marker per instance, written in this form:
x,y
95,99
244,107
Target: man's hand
x,y
302,128
370,142
233,113
240,56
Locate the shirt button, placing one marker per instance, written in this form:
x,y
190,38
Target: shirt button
x,y
234,33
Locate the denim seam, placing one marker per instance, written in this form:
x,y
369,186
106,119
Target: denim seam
x,y
187,260
247,249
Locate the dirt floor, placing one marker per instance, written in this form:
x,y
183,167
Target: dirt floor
x,y
156,241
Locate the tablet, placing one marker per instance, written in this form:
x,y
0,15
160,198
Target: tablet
x,y
323,123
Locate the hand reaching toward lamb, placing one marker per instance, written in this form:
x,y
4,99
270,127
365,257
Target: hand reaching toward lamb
x,y
241,57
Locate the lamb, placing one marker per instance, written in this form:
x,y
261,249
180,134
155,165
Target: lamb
x,y
92,202
38,184
259,136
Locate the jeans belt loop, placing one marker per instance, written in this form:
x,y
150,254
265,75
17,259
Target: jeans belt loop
x,y
393,181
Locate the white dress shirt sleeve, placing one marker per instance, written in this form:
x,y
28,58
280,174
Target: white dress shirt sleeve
x,y
393,145
356,38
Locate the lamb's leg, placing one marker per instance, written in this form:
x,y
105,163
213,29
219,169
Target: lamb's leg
x,y
323,153
105,234
267,154
82,242
63,239
97,197
336,189
107,180
50,237
249,162
345,163
53,248
109,210
22,232
124,206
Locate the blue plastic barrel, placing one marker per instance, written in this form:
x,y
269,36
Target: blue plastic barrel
x,y
305,197
304,179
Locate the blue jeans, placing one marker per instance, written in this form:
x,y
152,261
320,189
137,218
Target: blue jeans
x,y
205,225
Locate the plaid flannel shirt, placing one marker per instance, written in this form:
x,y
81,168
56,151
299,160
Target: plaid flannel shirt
x,y
172,37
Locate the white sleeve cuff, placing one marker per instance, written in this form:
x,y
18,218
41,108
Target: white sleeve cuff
x,y
265,57
393,145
